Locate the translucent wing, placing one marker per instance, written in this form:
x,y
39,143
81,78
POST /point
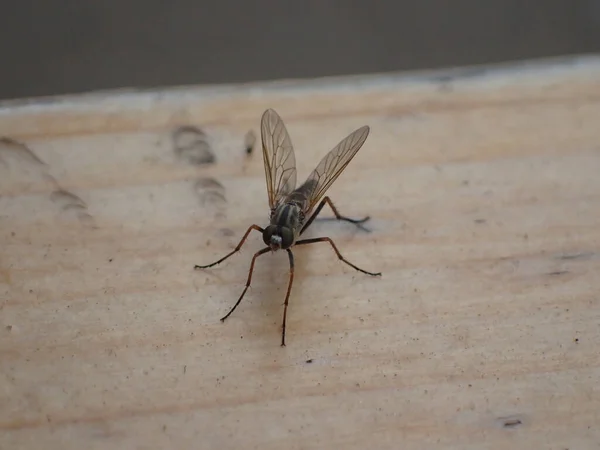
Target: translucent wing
x,y
331,166
278,155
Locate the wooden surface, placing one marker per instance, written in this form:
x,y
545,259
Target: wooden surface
x,y
483,333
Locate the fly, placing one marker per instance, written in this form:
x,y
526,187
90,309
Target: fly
x,y
291,206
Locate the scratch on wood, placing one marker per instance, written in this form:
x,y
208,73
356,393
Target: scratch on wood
x,y
71,202
67,199
11,147
580,255
558,272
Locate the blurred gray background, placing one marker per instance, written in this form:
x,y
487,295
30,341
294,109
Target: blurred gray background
x,y
56,47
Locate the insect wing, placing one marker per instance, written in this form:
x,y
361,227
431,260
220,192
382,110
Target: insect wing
x,y
278,156
332,165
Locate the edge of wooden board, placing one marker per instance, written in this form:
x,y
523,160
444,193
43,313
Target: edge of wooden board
x,y
134,109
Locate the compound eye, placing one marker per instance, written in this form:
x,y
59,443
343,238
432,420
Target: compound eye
x,y
287,238
268,233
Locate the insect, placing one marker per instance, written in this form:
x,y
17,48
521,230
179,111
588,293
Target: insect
x,y
291,206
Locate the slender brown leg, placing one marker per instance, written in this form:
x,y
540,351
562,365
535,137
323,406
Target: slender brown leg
x,y
338,216
287,296
248,281
237,249
337,252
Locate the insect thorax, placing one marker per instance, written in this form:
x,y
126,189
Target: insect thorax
x,y
287,215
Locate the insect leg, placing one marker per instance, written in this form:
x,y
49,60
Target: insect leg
x,y
237,249
287,296
248,281
338,216
337,252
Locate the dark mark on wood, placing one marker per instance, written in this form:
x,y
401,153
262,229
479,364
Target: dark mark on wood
x,y
558,272
510,421
480,221
191,146
249,141
309,361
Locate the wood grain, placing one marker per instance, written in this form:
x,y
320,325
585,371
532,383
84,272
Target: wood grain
x,y
483,186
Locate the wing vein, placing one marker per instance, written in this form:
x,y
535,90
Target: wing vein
x,y
278,157
332,165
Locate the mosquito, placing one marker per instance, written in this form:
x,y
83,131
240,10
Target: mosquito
x,y
291,206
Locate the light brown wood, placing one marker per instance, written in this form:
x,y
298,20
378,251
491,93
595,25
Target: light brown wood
x,y
484,190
